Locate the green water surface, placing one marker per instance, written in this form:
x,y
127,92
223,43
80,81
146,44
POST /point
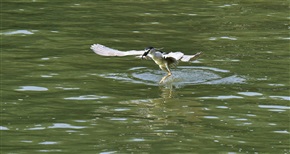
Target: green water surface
x,y
57,96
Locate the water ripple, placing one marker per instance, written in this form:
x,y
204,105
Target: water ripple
x,y
275,107
36,128
64,125
48,142
31,88
118,119
183,75
223,37
3,128
25,32
86,97
137,140
281,132
287,98
222,97
211,117
51,150
250,93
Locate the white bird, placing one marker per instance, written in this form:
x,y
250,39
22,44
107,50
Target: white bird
x,y
162,59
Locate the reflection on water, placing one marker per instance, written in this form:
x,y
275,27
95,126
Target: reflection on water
x,y
31,88
48,142
282,132
287,98
159,116
223,37
86,97
250,93
24,32
64,125
222,97
3,128
276,108
55,125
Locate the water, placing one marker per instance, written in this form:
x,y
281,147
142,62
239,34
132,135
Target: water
x,y
57,96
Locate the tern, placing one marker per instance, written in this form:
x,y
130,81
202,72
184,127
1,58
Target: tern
x,y
164,60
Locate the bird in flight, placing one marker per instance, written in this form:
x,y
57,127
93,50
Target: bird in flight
x,y
164,60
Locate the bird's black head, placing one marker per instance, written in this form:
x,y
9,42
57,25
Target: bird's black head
x,y
147,50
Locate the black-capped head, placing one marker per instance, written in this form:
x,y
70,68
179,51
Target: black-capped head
x,y
147,50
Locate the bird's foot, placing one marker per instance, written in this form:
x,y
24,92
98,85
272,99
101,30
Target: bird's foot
x,y
164,78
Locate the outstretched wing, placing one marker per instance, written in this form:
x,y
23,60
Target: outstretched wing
x,y
186,58
106,51
182,57
175,55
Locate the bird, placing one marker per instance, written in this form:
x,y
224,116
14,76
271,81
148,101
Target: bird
x,y
164,60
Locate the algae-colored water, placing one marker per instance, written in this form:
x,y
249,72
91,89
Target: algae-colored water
x,y
57,96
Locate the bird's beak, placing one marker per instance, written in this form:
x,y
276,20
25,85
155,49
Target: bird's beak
x,y
145,54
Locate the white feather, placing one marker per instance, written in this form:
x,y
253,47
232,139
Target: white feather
x,y
187,58
175,55
105,51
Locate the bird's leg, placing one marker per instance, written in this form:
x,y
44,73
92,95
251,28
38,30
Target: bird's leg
x,y
168,73
165,77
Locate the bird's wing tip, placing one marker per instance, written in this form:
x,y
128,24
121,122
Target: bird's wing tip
x,y
106,51
96,45
199,53
187,58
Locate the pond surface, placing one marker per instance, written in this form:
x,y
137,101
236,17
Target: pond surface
x,y
57,96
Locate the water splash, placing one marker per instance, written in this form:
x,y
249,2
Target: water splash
x,y
183,75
